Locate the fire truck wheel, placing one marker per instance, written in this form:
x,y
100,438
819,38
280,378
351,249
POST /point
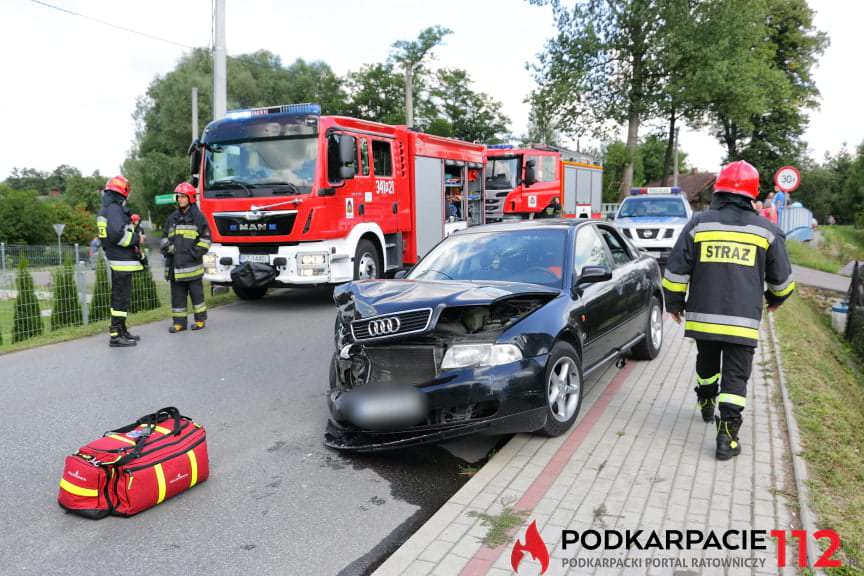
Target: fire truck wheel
x,y
367,261
255,293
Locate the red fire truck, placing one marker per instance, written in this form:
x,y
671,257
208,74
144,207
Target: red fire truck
x,y
524,182
327,199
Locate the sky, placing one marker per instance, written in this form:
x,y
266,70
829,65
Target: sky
x,y
69,85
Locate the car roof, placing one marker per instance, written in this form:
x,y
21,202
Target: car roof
x,y
547,223
652,196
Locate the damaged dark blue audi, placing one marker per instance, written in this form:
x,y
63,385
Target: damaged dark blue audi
x,y
493,331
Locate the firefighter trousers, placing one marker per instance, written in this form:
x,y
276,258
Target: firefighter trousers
x,y
724,368
121,294
193,290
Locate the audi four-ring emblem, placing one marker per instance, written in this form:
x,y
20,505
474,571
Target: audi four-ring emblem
x,y
384,326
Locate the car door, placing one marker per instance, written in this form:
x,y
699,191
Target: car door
x,y
628,276
597,303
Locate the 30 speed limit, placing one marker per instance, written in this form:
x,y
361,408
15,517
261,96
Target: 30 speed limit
x,y
787,178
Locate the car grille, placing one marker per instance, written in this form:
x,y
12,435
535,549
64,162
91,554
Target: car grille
x,y
409,322
234,225
648,233
402,365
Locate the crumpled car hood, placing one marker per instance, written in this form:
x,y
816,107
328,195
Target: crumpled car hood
x,y
376,297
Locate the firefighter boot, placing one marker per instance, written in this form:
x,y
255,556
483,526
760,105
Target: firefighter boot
x,y
176,328
119,340
128,335
727,438
198,325
706,406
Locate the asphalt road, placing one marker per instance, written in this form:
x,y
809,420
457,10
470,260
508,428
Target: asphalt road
x,y
277,501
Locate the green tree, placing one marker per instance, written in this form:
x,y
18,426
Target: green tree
x,y
24,217
100,303
410,56
377,93
27,320
80,224
467,115
604,64
28,179
85,192
65,309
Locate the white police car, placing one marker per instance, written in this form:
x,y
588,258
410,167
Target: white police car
x,y
652,219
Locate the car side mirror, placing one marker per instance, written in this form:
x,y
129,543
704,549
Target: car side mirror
x,y
594,274
348,157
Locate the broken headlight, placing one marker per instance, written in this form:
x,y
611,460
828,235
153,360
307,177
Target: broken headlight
x,y
465,355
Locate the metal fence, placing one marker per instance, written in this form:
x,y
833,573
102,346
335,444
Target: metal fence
x,y
44,289
855,319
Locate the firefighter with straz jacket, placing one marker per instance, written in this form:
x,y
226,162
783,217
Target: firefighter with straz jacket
x,y
185,240
721,265
121,241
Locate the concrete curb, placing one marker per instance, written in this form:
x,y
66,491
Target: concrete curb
x,y
799,466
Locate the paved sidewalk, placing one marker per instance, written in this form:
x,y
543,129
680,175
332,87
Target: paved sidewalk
x,y
819,279
639,457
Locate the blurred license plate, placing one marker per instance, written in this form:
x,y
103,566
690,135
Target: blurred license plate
x,y
388,408
261,258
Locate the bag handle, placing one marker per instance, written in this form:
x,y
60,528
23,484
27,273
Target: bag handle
x,y
151,420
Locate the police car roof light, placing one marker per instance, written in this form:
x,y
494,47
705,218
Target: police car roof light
x,y
655,190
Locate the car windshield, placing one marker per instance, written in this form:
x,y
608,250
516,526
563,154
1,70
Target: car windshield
x,y
645,206
530,256
261,167
501,173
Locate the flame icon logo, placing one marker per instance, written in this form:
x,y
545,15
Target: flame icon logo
x,y
534,545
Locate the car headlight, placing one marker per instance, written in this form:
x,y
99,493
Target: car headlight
x,y
210,260
465,355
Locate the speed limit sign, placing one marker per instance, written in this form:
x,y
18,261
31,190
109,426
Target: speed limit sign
x,y
787,178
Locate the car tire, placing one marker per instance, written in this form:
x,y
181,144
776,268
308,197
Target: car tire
x,y
560,416
649,347
255,293
367,261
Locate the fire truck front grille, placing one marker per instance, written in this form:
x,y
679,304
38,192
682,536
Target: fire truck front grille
x,y
495,203
403,365
404,323
276,225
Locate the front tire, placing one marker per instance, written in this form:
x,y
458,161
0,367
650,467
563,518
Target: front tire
x,y
649,347
367,261
563,389
255,293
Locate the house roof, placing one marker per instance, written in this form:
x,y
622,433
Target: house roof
x,y
693,184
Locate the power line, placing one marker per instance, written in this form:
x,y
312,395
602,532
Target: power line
x,y
151,36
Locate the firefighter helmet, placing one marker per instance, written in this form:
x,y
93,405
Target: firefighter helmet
x,y
738,178
187,190
120,185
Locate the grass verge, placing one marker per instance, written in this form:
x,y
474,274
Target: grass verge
x,y
826,384
71,333
839,246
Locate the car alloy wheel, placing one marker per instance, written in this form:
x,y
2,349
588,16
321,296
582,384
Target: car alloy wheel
x,y
656,326
563,389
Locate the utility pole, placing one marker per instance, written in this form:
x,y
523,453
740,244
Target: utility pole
x,y
220,98
194,112
409,94
675,160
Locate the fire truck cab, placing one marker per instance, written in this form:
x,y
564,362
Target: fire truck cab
x,y
328,199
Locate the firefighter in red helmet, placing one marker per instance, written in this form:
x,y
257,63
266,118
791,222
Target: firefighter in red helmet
x,y
121,242
716,276
185,240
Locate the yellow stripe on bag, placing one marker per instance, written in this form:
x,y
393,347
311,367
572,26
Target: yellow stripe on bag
x,y
160,480
161,429
122,439
78,490
193,462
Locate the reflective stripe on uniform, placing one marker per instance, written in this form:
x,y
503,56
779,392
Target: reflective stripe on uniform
x,y
178,312
722,330
190,272
102,226
678,278
745,229
740,237
126,240
193,464
118,313
783,289
125,265
203,243
78,490
724,319
160,481
707,381
735,399
191,234
186,227
198,308
674,286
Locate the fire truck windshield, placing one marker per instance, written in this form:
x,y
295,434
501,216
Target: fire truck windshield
x,y
501,173
283,167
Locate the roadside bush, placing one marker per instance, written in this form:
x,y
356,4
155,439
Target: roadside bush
x,y
859,220
66,309
27,321
100,304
